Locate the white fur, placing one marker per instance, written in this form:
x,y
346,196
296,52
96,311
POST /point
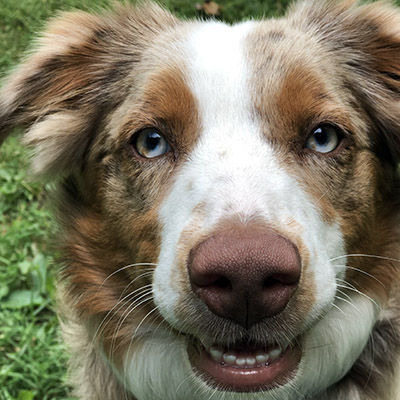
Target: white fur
x,y
160,369
57,142
234,172
333,345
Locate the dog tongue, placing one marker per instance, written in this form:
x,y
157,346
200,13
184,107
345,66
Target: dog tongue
x,y
247,378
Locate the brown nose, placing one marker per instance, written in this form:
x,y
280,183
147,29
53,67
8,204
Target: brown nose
x,y
245,274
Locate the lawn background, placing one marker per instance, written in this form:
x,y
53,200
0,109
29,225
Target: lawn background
x,y
32,356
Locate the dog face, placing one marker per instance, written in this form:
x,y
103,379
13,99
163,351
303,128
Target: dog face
x,y
218,185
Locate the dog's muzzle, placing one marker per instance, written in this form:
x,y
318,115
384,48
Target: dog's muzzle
x,y
245,274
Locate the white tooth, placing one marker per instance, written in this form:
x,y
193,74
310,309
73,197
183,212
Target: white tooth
x,y
275,353
250,361
216,354
240,361
230,358
262,357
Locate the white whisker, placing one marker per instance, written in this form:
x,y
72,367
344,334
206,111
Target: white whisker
x,y
338,308
361,272
134,335
146,265
142,299
347,302
348,286
119,305
366,256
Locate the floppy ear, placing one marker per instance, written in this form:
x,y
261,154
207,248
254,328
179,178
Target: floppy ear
x,y
366,41
82,67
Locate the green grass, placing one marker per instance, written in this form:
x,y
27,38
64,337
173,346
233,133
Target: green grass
x,y
32,356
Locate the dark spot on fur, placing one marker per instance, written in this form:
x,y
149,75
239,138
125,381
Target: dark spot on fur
x,y
70,191
41,79
120,68
100,35
101,156
391,75
275,36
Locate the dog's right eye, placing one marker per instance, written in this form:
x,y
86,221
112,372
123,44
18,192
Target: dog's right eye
x,y
150,143
324,139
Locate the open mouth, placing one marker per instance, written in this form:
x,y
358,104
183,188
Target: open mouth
x,y
245,368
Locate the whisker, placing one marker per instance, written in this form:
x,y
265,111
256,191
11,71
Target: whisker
x,y
344,293
365,255
143,275
120,324
352,288
146,265
181,384
347,302
142,299
119,305
338,308
142,321
320,346
135,332
361,272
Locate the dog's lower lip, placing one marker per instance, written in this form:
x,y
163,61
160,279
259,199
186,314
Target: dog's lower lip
x,y
251,377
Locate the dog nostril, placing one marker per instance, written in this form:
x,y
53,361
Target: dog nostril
x,y
280,280
245,275
271,283
211,281
222,283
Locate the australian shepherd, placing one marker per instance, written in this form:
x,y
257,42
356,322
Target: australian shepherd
x,y
228,198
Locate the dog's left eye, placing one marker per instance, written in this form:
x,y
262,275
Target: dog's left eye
x,y
150,143
324,139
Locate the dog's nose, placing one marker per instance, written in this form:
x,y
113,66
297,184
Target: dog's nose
x,y
245,274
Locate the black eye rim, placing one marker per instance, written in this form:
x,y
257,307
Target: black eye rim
x,y
135,137
342,135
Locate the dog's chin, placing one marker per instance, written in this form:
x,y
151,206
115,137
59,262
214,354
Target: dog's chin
x,y
243,367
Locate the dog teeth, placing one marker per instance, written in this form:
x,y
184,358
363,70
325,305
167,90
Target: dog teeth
x,y
232,358
241,361
261,358
275,353
216,354
250,361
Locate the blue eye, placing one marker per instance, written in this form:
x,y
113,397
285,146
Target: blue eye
x,y
150,143
324,139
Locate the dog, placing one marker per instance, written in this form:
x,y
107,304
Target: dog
x,y
228,199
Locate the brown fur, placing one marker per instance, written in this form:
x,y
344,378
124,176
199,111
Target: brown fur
x,y
308,95
92,72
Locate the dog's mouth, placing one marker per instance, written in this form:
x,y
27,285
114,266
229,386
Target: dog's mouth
x,y
244,368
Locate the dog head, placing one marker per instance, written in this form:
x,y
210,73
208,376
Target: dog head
x,y
218,186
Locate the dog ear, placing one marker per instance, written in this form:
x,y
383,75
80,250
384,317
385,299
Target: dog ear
x,y
366,41
81,67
